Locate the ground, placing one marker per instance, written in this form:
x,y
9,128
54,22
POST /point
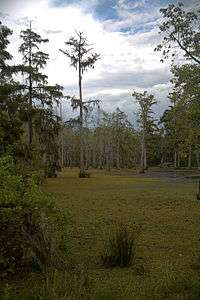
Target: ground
x,y
164,211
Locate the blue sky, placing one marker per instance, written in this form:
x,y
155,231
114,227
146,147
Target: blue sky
x,y
124,32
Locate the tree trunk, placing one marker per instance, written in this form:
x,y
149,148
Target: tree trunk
x,y
30,124
143,162
162,160
61,139
178,160
107,158
117,156
145,157
82,169
189,157
94,158
175,159
197,159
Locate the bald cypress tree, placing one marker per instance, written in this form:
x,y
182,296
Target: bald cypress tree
x,y
40,96
33,61
82,58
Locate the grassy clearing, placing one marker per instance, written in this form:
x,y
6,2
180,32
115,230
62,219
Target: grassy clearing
x,y
166,212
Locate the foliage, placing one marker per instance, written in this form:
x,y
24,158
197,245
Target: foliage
x,y
82,58
36,88
121,248
24,215
145,121
176,286
56,285
84,175
11,111
4,54
182,29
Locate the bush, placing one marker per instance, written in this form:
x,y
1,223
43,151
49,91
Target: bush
x,y
120,248
45,244
23,209
50,170
84,175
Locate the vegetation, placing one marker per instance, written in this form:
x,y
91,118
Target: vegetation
x,y
82,59
43,253
120,249
166,211
26,218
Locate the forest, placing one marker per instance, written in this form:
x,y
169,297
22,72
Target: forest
x,y
97,206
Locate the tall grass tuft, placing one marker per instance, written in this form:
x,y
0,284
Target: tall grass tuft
x,y
45,241
121,248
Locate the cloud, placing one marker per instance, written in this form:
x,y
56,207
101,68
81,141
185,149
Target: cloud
x,y
127,60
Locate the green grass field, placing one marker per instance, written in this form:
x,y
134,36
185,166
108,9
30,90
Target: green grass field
x,y
165,211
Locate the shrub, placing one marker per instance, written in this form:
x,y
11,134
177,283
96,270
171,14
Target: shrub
x,y
84,175
45,243
50,170
23,209
120,248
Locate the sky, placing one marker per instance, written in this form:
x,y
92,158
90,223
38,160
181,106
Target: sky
x,y
123,32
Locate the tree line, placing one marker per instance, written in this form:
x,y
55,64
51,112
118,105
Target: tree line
x,y
31,128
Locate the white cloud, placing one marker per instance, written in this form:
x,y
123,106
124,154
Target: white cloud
x,y
127,61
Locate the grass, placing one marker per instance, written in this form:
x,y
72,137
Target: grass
x,y
166,212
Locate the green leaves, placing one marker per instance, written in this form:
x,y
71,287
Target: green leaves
x,y
180,28
79,52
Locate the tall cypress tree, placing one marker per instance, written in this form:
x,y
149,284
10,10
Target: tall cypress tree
x,y
81,56
33,61
40,96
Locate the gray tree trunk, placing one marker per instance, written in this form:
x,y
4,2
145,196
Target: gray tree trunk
x,y
175,159
198,159
143,161
30,124
82,168
190,157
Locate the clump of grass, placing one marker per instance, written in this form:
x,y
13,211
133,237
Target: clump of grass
x,y
65,285
121,247
56,285
173,285
84,174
